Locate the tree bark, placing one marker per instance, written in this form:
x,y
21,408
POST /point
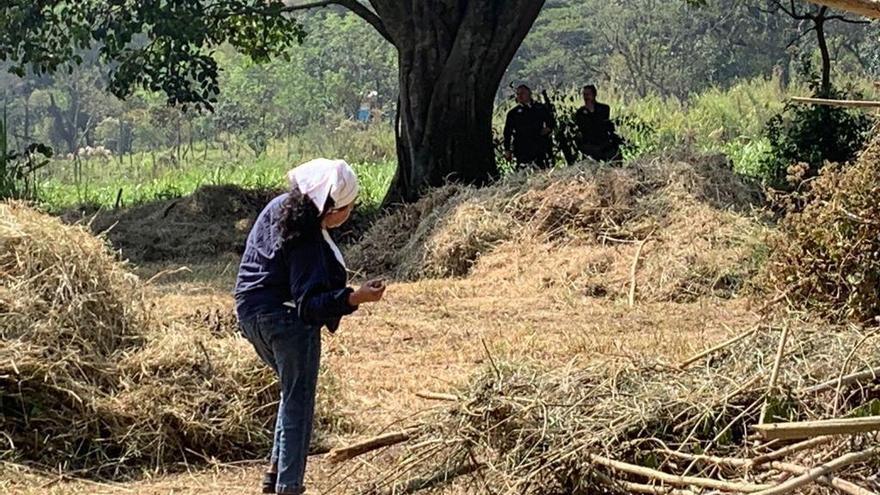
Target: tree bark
x,y
452,56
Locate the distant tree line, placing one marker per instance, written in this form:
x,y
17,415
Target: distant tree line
x,y
636,47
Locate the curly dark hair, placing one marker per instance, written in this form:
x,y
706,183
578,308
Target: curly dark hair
x,y
299,217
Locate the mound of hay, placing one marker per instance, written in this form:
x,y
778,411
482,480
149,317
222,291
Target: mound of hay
x,y
826,257
92,380
580,228
601,430
211,221
61,288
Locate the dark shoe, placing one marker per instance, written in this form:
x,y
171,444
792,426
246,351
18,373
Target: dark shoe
x,y
269,482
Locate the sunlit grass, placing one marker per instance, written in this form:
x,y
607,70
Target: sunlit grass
x,y
107,183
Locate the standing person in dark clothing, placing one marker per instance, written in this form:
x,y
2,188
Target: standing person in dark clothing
x,y
527,131
292,282
597,138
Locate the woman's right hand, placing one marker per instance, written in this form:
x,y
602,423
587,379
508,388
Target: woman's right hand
x,y
370,292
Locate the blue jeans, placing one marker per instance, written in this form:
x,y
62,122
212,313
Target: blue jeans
x,y
293,350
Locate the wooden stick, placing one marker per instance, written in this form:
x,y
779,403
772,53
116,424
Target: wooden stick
x,y
791,449
634,269
809,429
836,103
842,485
631,487
774,376
437,396
717,348
811,475
345,453
871,374
677,480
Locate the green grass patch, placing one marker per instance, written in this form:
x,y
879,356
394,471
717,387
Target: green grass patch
x,y
97,182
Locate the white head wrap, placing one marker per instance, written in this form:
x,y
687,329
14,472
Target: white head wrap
x,y
322,178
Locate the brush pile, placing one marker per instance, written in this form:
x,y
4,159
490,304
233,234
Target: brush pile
x,y
826,256
668,430
92,380
687,218
214,220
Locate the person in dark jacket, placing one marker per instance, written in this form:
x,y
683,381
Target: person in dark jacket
x,y
527,131
597,138
292,282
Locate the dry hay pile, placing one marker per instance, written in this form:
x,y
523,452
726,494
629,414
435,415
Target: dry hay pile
x,y
660,429
213,220
580,229
826,257
92,380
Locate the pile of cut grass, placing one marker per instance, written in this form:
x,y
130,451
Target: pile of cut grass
x,y
688,217
652,428
94,380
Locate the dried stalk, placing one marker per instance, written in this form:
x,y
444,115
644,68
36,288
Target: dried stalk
x,y
721,346
774,376
677,480
811,475
871,374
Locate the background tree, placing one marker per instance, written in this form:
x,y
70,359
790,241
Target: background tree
x,y
816,18
451,58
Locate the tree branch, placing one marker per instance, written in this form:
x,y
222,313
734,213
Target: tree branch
x,y
354,6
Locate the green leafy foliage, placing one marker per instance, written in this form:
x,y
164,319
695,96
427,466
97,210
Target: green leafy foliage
x,y
810,136
155,45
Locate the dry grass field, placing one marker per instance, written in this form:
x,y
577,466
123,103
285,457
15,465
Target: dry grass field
x,y
582,268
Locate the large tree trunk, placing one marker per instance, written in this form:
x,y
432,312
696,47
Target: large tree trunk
x,y
452,56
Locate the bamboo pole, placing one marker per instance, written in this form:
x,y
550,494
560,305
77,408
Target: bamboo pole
x,y
871,374
675,479
867,8
844,486
631,487
809,429
836,103
792,449
811,475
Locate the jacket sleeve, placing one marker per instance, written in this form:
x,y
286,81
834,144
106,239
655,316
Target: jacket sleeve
x,y
549,119
315,300
508,131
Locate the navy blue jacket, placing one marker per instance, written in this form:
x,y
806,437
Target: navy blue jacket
x,y
306,274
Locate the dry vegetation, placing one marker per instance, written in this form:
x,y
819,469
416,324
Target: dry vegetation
x,y
555,307
96,379
827,253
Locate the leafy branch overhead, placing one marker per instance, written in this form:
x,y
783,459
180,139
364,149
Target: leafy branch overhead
x,y
154,44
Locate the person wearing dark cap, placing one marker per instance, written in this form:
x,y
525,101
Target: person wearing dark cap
x,y
527,131
597,138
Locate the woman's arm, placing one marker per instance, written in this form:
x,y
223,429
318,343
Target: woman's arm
x,y
310,286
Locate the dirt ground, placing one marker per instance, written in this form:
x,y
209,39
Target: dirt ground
x,y
426,336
